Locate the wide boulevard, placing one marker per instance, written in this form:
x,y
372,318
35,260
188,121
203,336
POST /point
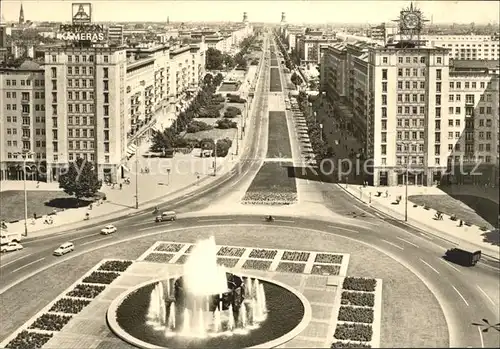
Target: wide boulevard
x,y
463,293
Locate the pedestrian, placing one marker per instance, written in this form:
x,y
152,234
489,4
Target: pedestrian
x,y
34,215
121,185
461,223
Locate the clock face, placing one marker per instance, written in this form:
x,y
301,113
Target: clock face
x,y
411,20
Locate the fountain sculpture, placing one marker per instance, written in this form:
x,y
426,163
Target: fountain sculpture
x,y
207,300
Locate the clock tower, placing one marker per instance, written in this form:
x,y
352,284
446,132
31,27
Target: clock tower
x,y
410,22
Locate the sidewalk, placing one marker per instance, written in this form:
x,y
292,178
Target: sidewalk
x,y
421,218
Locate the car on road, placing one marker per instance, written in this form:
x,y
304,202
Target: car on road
x,y
6,238
464,254
166,216
67,247
109,229
11,246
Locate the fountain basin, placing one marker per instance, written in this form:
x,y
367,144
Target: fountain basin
x,y
288,314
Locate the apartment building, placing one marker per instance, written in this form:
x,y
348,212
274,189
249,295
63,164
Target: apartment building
x,y
22,124
308,47
85,100
398,101
470,47
115,35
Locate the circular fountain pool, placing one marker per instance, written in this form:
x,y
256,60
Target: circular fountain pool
x,y
286,314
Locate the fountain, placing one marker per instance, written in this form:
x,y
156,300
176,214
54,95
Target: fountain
x,y
207,306
207,300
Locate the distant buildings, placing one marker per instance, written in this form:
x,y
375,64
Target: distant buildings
x,y
470,47
115,35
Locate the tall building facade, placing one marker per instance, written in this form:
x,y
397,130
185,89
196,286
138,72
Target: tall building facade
x,y
414,109
23,123
85,108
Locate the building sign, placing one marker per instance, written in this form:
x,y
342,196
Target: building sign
x,y
81,13
89,32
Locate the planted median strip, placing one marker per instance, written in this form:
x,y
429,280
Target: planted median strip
x,y
273,185
278,140
275,80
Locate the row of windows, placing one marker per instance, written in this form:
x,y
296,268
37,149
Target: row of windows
x,y
80,58
84,133
83,83
415,60
74,156
85,95
458,110
81,145
414,98
467,84
15,156
23,82
411,84
84,121
415,72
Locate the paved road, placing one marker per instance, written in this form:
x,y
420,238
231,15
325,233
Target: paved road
x,y
465,293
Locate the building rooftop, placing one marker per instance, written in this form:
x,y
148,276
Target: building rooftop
x,y
462,64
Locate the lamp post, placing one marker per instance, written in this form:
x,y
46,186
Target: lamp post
x,y
137,177
406,181
25,155
215,158
168,176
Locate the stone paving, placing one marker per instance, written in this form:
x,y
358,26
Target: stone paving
x,y
316,275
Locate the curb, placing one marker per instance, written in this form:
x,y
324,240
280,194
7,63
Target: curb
x,y
409,224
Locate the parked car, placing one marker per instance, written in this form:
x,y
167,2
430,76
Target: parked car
x,y
6,238
109,229
166,216
11,246
67,247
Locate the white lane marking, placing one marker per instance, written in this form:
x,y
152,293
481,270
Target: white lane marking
x,y
27,265
96,240
15,260
449,264
350,230
430,266
467,304
215,220
486,295
488,266
408,242
155,227
284,221
481,336
393,244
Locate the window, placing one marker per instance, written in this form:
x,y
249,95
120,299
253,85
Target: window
x,y
422,85
438,112
400,84
400,109
400,73
438,60
384,137
437,149
466,84
407,72
384,100
384,60
422,60
384,112
459,85
384,149
450,123
400,59
438,99
384,86
384,124
457,110
438,74
457,122
106,59
400,97
438,87
451,98
384,74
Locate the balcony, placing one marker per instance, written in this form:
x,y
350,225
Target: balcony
x,y
25,100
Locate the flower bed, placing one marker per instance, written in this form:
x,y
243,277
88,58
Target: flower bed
x,y
86,291
278,142
257,264
29,340
275,80
328,258
231,251
182,259
363,315
98,277
289,267
119,266
50,322
349,345
359,284
159,257
354,332
295,256
169,247
190,248
263,253
69,306
325,269
228,262
358,298
272,185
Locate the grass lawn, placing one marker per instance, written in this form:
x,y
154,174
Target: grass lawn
x,y
273,184
274,62
278,142
449,206
226,87
275,82
213,133
40,202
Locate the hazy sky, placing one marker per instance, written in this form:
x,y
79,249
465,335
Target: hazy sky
x,y
297,11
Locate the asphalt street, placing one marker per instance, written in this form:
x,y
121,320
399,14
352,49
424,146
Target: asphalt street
x,y
464,293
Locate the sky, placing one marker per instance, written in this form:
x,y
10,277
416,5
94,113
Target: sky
x,y
298,11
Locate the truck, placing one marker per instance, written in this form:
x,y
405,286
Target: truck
x,y
464,254
6,238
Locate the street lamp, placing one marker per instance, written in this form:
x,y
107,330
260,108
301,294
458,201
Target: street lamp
x,y
215,158
25,155
136,175
168,176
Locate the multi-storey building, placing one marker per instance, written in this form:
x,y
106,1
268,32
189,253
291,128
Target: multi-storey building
x,y
402,102
115,34
308,47
85,101
471,47
22,124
